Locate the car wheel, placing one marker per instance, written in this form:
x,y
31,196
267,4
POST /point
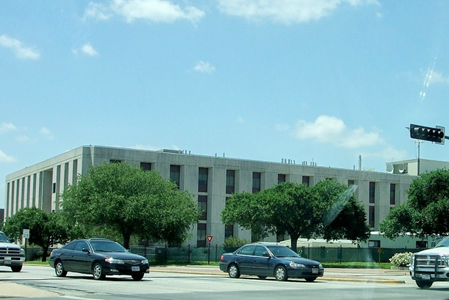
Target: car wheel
x,y
97,271
137,277
262,277
280,273
59,269
233,271
424,284
310,279
16,268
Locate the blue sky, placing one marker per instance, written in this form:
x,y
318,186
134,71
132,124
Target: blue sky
x,y
321,81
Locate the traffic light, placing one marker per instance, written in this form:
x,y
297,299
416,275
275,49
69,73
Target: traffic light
x,y
435,135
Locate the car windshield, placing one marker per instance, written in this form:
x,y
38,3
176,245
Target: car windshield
x,y
107,246
4,238
443,243
280,251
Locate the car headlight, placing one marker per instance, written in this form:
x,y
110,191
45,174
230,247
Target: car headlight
x,y
296,265
114,261
412,260
320,266
145,261
22,251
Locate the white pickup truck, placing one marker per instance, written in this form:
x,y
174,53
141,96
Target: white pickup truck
x,y
431,265
11,255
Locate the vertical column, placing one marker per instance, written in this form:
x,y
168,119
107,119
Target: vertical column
x,y
55,188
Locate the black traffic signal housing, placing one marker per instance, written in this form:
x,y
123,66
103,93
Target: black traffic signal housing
x,y
432,134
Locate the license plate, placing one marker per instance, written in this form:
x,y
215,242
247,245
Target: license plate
x,y
425,276
315,271
7,260
135,269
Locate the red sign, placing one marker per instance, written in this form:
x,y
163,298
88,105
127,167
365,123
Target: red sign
x,y
209,238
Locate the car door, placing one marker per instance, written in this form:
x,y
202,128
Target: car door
x,y
81,258
261,262
65,255
245,258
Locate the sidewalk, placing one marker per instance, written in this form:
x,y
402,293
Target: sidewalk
x,y
13,290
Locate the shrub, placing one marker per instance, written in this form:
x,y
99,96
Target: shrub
x,y
401,259
234,242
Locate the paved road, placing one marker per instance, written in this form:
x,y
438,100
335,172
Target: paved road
x,y
196,283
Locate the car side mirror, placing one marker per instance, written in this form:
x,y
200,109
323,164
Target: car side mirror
x,y
266,254
85,250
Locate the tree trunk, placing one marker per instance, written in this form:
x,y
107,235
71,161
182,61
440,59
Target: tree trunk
x,y
44,253
294,241
126,238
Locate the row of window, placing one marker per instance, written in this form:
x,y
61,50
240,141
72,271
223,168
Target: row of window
x,y
203,177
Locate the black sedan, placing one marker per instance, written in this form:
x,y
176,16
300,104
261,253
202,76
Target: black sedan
x,y
265,260
99,257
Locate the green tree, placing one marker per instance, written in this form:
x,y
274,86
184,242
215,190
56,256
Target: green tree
x,y
45,228
425,212
343,215
122,198
328,209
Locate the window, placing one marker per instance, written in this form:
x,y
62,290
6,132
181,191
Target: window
x,y
115,161
421,244
351,182
374,244
372,192
230,181
175,174
202,206
248,250
146,166
259,251
306,180
201,235
229,230
256,182
282,178
392,194
371,216
81,245
203,175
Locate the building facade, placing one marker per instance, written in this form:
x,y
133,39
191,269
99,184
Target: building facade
x,y
211,179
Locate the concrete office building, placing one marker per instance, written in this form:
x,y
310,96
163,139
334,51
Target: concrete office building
x,y
211,179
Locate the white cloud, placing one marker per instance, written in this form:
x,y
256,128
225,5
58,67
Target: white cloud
x,y
328,129
23,139
86,49
145,147
6,158
5,127
204,67
46,132
151,10
388,154
282,127
89,50
437,78
97,11
19,49
285,11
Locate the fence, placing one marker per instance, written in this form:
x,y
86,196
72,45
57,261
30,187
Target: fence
x,y
188,254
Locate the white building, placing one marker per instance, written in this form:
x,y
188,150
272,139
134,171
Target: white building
x,y
211,179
